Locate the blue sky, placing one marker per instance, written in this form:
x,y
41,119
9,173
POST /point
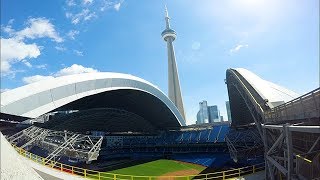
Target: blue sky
x,y
276,39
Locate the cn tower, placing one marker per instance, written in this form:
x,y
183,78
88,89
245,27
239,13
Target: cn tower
x,y
169,35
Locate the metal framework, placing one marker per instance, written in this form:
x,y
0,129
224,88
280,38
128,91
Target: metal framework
x,y
58,143
242,142
291,135
246,143
290,132
304,107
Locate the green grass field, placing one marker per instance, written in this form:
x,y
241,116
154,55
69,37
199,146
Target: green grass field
x,y
154,168
157,168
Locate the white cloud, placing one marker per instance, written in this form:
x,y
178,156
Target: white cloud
x,y
84,15
7,29
11,21
106,5
78,53
69,14
70,3
72,33
87,2
196,45
74,69
75,20
41,66
238,47
39,28
32,79
117,6
89,16
28,64
13,50
79,11
60,48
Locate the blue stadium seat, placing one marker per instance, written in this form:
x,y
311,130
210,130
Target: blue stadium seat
x,y
194,137
223,132
213,134
186,137
204,135
179,138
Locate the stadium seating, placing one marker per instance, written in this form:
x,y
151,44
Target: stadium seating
x,y
188,145
215,135
194,137
223,132
201,159
204,135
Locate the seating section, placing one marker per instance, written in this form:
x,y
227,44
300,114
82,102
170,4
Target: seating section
x,y
223,132
204,160
204,135
178,145
214,135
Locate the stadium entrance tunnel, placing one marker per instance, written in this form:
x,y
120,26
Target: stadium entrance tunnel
x,y
124,110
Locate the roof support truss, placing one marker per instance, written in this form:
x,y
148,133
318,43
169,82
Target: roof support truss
x,y
59,143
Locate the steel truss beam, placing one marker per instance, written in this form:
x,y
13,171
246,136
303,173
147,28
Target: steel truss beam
x,y
37,137
58,143
244,143
67,142
314,145
280,154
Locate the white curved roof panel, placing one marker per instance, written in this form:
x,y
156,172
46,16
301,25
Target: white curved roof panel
x,y
267,90
38,98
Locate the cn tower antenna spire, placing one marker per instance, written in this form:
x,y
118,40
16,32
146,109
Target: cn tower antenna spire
x,y
167,17
169,35
166,10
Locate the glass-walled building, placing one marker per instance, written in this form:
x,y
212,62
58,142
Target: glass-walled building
x,y
207,114
228,111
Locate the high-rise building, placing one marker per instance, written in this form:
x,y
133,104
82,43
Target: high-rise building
x,y
207,114
228,111
169,35
214,114
203,115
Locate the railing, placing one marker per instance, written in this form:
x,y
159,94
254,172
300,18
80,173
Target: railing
x,y
308,165
91,174
306,106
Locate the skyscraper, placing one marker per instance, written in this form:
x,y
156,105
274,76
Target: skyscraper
x,y
228,111
214,114
169,35
203,115
207,114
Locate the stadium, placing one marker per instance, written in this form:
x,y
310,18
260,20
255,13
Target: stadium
x,y
121,124
107,125
114,106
